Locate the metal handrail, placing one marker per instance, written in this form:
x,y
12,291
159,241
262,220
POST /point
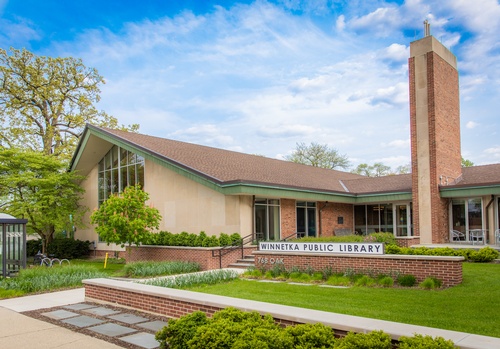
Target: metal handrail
x,y
235,245
289,237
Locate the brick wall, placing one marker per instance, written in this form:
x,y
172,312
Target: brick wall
x,y
201,255
446,269
444,139
408,241
330,214
288,217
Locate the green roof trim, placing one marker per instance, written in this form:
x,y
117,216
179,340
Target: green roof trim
x,y
469,191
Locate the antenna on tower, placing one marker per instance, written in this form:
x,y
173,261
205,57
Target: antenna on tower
x,y
427,28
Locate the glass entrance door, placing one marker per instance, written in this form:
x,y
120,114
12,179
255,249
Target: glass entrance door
x,y
267,219
306,219
402,220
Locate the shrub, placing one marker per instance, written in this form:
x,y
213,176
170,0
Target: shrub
x,y
365,280
424,342
387,238
235,238
195,279
431,283
392,249
484,255
407,280
42,279
338,280
372,340
386,281
68,248
232,327
33,246
310,336
224,240
147,268
180,331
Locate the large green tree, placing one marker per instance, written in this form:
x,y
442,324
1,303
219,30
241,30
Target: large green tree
x,y
46,102
37,187
125,218
319,155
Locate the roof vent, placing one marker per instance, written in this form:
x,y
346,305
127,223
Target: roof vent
x,y
427,28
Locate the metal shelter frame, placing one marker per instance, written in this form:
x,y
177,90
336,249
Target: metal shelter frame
x,y
13,241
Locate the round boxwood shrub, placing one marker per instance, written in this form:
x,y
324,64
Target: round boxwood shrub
x,y
484,255
424,342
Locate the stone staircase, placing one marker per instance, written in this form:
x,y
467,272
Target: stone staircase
x,y
246,262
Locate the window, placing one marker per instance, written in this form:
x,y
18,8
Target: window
x,y
267,219
306,219
466,214
387,218
118,169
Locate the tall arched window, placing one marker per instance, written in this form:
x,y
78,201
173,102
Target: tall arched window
x,y
118,169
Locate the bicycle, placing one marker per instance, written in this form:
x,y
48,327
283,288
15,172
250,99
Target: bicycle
x,y
43,260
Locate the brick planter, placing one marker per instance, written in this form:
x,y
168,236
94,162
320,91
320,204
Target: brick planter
x,y
175,303
446,269
201,255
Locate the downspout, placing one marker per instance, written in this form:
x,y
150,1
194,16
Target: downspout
x,y
319,218
253,219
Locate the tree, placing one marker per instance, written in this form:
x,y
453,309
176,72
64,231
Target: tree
x,y
46,102
318,155
467,163
403,169
378,169
37,187
125,218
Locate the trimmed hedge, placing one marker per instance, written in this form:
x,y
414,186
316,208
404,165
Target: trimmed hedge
x,y
60,248
483,255
165,238
233,328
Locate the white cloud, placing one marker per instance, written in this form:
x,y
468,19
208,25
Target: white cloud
x,y
259,77
471,124
340,23
20,31
204,134
398,143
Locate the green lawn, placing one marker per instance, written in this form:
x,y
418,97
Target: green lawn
x,y
472,307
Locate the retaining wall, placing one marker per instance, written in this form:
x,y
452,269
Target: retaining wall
x,y
201,255
175,303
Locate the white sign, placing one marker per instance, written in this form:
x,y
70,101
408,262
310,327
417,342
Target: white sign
x,y
323,247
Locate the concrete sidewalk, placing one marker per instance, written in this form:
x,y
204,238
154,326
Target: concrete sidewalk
x,y
18,331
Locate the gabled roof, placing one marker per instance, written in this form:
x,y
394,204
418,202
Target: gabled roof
x,y
223,168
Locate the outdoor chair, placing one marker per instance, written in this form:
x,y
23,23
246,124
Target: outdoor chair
x,y
497,237
343,232
457,236
476,235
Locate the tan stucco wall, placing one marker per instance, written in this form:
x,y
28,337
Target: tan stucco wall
x,y
183,204
192,207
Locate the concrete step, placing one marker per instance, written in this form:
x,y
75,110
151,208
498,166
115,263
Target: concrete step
x,y
244,263
241,265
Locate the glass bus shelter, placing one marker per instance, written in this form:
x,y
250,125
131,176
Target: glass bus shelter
x,y
12,243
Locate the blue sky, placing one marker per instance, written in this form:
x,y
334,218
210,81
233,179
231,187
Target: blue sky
x,y
260,76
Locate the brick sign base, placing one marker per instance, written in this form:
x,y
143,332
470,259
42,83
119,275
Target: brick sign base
x,y
446,269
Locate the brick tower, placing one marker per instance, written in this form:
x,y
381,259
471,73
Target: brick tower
x,y
435,135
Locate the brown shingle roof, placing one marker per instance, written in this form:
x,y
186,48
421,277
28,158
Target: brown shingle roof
x,y
368,185
479,176
226,166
